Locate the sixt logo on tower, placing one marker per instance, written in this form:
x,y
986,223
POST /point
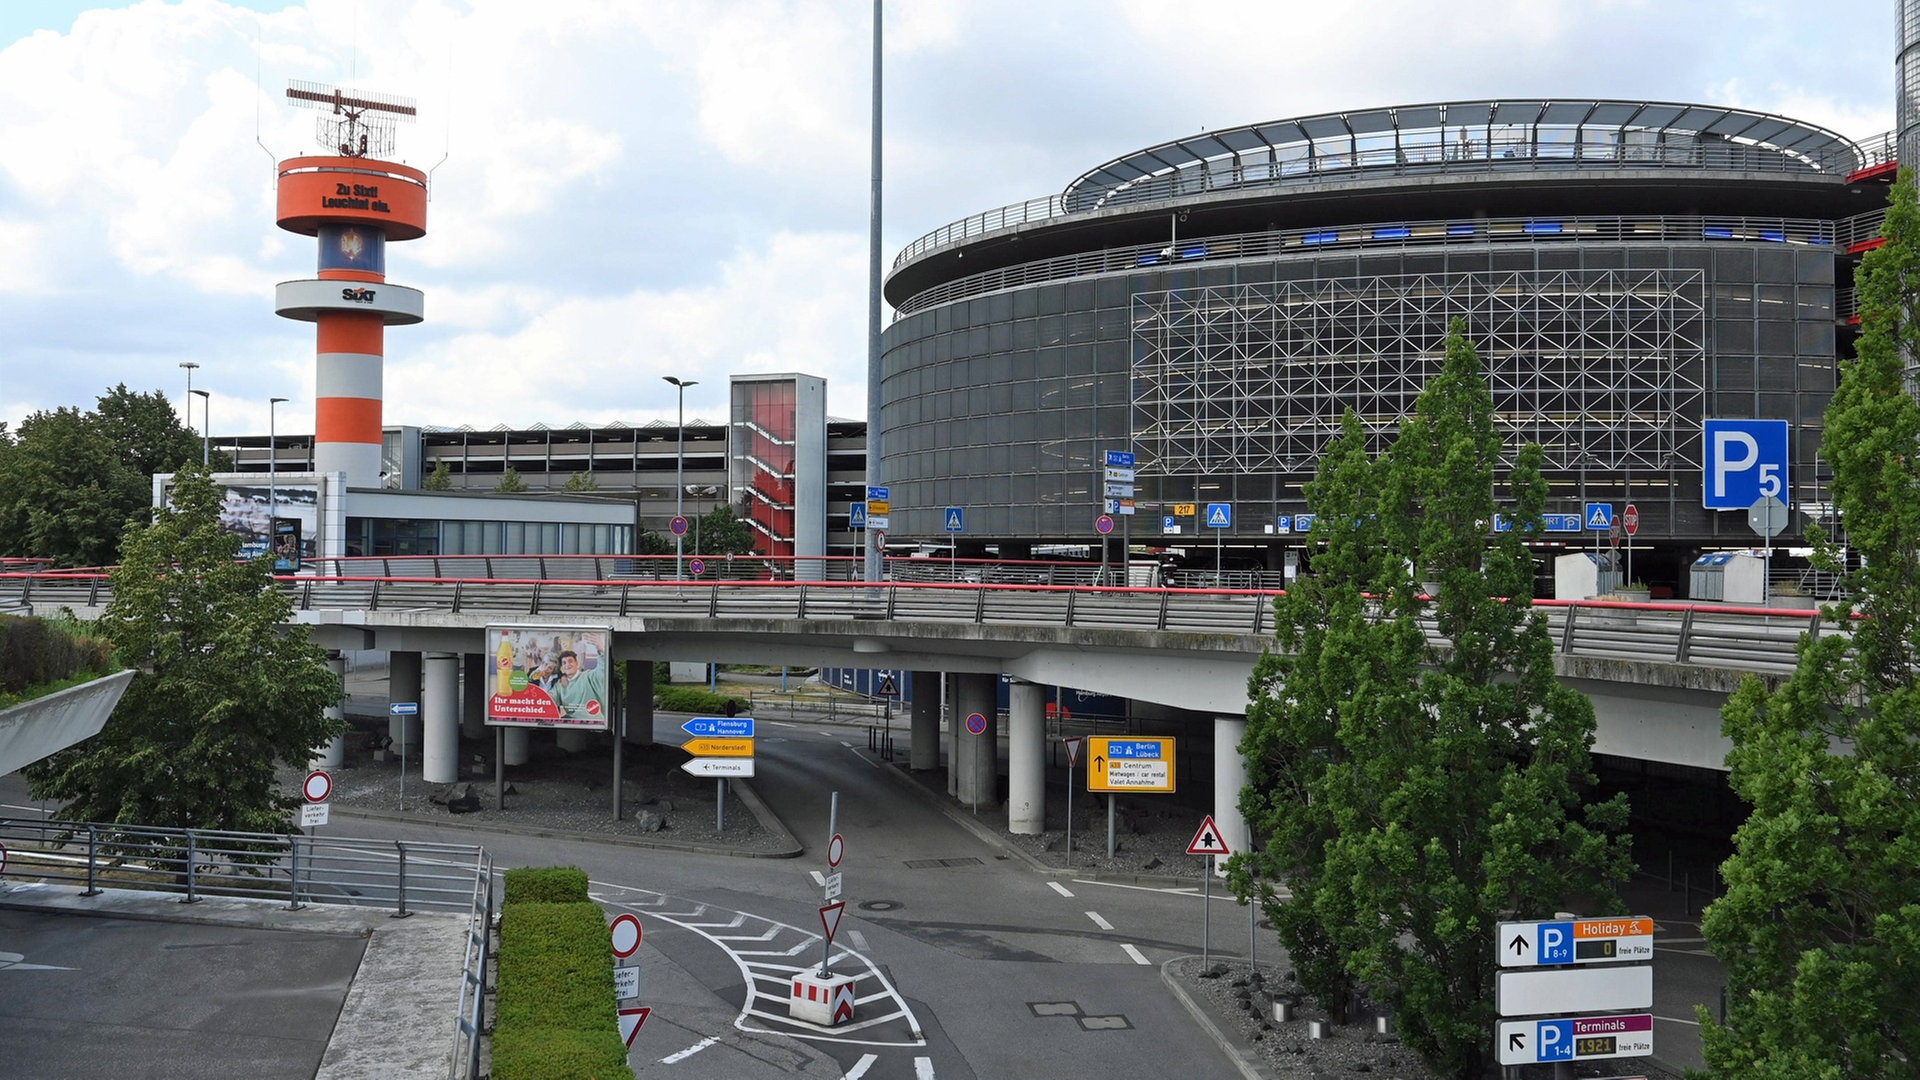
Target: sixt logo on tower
x,y
357,296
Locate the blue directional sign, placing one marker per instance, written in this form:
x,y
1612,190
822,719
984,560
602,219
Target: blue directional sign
x,y
956,519
1220,515
1599,516
725,727
1746,461
1548,522
1120,459
857,515
1135,749
403,708
876,494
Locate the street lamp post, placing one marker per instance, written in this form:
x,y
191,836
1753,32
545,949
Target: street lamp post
x,y
273,477
679,465
206,419
189,365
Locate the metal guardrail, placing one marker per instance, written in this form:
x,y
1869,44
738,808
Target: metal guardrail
x,y
1406,160
194,864
1727,636
1398,235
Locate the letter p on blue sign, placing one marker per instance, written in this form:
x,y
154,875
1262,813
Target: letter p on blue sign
x,y
1746,461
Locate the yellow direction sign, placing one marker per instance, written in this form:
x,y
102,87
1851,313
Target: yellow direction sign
x,y
710,747
1116,763
1183,509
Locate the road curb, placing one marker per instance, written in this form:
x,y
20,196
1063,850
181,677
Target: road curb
x,y
755,805
1238,1052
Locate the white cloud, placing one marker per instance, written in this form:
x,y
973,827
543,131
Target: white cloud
x,y
680,187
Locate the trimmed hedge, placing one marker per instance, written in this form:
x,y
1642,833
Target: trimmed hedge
x,y
554,1013
545,885
687,699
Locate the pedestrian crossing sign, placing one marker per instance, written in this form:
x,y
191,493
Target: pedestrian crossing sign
x,y
956,519
1600,516
1220,515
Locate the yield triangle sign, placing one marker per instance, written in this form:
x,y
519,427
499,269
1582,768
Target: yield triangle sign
x,y
1073,751
631,1021
830,918
1208,840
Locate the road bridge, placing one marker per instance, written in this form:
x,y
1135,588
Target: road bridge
x,y
1657,673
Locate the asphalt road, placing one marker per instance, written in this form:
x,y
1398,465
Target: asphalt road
x,y
978,967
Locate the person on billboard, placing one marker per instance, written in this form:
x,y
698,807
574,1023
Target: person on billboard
x,y
574,688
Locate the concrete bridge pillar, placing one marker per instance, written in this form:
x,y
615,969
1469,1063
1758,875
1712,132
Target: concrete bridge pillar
x,y
473,696
925,730
333,753
573,740
1026,758
639,703
440,711
403,684
977,757
1229,776
515,743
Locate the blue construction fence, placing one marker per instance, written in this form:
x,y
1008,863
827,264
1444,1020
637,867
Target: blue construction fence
x,y
875,682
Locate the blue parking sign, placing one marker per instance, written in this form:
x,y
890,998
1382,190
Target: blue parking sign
x,y
1746,461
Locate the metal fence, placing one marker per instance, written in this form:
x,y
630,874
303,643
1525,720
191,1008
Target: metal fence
x,y
403,875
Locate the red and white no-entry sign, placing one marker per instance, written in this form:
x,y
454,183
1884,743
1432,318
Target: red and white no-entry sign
x,y
626,936
317,786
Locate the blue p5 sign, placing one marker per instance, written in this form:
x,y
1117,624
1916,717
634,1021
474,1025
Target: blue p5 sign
x,y
1746,461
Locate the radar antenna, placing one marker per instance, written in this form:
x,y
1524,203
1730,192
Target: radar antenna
x,y
355,122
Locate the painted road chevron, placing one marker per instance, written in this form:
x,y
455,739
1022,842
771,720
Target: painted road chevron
x,y
769,954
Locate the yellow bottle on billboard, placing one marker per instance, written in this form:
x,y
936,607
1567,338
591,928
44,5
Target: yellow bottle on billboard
x,y
503,671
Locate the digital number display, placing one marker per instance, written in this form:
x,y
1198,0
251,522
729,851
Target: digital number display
x,y
1594,1045
1602,949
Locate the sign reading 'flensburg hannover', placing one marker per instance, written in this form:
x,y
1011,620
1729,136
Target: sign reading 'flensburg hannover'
x,y
550,676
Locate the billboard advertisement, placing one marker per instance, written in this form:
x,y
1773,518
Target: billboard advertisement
x,y
550,676
282,518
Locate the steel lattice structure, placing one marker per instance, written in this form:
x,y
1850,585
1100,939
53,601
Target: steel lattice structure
x,y
1602,368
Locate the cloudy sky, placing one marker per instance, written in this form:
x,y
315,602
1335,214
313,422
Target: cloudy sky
x,y
625,189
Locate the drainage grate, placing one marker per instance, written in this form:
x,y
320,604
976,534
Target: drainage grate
x,y
929,864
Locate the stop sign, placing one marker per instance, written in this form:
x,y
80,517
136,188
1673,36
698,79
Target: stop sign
x,y
1630,519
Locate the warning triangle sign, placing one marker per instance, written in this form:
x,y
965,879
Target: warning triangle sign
x,y
830,918
1208,840
631,1020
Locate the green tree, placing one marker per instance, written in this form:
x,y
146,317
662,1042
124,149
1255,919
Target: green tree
x,y
1449,793
71,481
1819,926
227,689
721,533
581,481
440,479
510,482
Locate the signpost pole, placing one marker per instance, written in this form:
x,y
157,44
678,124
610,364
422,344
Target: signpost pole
x,y
1109,824
833,830
1056,701
1206,914
403,763
499,768
720,804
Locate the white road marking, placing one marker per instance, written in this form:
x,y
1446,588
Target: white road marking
x,y
819,878
1098,921
689,1051
1135,953
859,940
1061,889
862,758
860,1067
846,744
1677,1020
923,1068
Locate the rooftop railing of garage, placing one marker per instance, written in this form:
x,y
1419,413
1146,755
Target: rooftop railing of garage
x,y
1529,230
1406,160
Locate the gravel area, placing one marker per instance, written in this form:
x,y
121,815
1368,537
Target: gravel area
x,y
558,792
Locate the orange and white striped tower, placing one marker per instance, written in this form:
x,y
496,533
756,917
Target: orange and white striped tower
x,y
353,204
